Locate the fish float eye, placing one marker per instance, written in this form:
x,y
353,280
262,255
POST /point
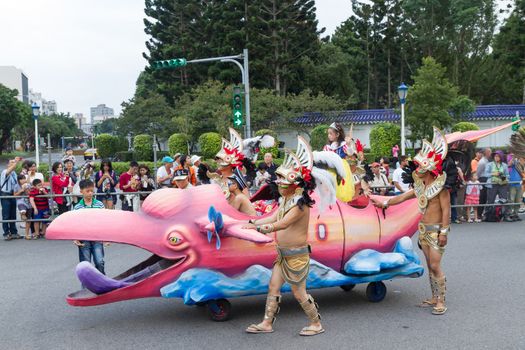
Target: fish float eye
x,y
174,239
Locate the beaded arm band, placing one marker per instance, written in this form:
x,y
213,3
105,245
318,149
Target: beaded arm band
x,y
266,228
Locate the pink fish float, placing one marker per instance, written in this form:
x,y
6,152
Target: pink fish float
x,y
201,254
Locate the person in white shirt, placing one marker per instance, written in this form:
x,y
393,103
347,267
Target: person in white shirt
x,y
165,172
397,177
195,162
380,182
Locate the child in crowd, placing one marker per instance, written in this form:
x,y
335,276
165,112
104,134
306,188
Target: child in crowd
x,y
90,249
262,175
69,156
24,207
472,192
40,207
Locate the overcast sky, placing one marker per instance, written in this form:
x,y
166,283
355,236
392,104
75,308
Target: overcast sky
x,y
83,53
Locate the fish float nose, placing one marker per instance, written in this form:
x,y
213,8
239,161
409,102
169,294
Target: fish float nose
x,y
210,227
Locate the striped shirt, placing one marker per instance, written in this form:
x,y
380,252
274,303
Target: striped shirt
x,y
96,204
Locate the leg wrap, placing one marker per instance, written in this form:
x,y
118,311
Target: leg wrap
x,y
433,286
272,307
311,309
441,288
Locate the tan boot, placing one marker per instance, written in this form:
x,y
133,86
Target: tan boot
x,y
441,288
272,308
311,309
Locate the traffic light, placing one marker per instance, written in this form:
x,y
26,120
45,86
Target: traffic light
x,y
237,106
516,126
173,63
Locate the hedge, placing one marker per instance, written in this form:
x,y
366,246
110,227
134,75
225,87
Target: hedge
x,y
318,137
464,126
210,143
383,137
106,145
178,143
273,150
143,146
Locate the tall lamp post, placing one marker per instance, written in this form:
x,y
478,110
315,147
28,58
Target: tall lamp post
x,y
36,113
402,91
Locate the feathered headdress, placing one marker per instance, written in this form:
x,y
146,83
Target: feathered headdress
x,y
296,166
354,145
231,152
517,144
431,156
253,146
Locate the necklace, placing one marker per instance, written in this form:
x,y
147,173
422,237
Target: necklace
x,y
426,193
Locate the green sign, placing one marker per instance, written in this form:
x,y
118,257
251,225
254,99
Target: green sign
x,y
166,64
237,106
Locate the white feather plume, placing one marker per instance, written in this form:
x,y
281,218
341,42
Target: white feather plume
x,y
325,188
267,141
332,160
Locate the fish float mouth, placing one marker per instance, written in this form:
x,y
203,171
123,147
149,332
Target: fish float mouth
x,y
97,287
168,258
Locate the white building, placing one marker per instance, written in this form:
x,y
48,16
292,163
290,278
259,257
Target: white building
x,y
80,121
485,117
46,107
101,113
14,78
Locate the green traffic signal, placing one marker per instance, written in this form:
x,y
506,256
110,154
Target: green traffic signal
x,y
237,106
172,63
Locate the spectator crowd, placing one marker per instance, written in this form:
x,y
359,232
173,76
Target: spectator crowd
x,y
492,179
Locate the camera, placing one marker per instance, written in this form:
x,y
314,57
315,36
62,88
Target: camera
x,y
503,177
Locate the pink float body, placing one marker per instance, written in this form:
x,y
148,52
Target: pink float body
x,y
335,235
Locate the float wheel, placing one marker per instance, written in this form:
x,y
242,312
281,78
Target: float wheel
x,y
376,291
219,310
347,287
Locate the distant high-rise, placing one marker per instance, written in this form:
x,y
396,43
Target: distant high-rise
x,y
101,113
14,78
46,107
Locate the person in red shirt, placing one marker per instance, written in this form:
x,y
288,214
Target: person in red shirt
x,y
60,183
129,182
40,207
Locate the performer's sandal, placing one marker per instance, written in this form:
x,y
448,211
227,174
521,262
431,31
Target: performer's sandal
x,y
254,329
311,330
271,309
439,310
311,309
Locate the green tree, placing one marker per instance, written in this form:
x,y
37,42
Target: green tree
x,y
12,112
178,143
143,147
429,100
57,125
210,143
151,115
464,126
383,137
106,144
108,126
318,137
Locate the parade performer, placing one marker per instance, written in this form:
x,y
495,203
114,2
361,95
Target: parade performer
x,y
434,204
337,143
361,173
239,154
290,222
237,198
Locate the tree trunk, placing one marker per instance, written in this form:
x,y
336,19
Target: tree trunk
x,y
367,69
389,88
277,73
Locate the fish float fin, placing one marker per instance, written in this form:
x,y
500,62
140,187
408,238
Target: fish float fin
x,y
223,226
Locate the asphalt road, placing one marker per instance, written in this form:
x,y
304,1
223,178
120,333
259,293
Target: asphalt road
x,y
484,264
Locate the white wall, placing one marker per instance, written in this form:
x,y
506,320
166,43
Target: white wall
x,y
362,132
11,77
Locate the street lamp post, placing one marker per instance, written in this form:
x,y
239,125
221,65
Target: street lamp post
x,y
402,91
36,113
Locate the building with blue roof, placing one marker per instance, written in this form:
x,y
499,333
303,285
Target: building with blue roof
x,y
363,120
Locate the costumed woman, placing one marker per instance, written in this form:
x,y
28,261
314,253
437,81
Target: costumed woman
x,y
434,203
296,178
337,143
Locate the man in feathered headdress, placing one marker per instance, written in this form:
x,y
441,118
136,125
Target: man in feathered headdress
x,y
434,204
290,223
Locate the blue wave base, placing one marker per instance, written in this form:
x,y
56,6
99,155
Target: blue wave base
x,y
199,284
